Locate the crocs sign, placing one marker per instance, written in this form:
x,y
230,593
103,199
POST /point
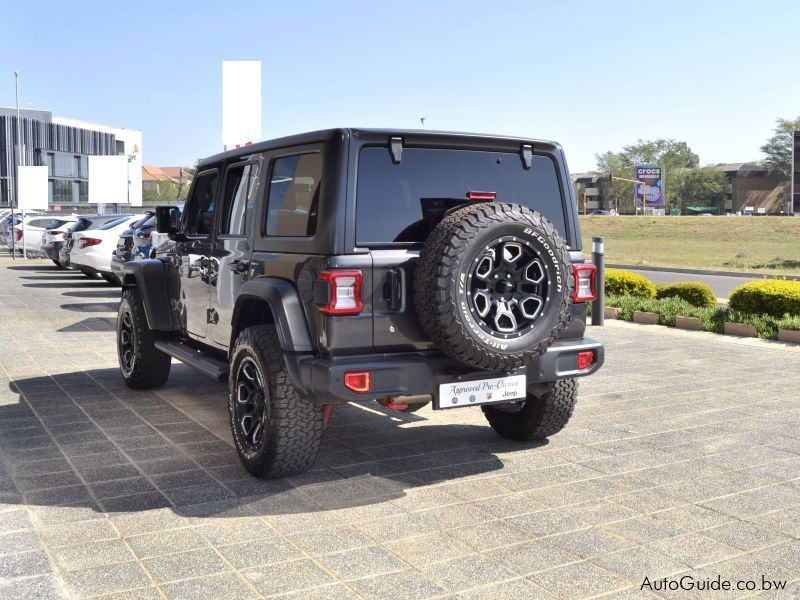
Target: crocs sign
x,y
651,175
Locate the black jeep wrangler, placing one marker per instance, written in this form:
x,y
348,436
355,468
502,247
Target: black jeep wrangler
x,y
348,265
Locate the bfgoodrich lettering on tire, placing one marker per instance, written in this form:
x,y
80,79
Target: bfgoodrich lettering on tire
x,y
276,432
493,285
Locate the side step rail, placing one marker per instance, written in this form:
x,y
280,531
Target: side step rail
x,y
207,365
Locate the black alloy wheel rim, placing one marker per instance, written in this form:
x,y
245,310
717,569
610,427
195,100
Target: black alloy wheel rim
x,y
508,287
127,354
250,405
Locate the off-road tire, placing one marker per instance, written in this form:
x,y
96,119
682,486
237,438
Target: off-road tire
x,y
545,412
150,367
294,426
439,290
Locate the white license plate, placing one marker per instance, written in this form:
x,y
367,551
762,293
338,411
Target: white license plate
x,y
482,391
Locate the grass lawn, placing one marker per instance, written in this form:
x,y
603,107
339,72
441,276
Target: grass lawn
x,y
758,244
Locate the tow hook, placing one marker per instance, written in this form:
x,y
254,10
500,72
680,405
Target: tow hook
x,y
327,409
387,402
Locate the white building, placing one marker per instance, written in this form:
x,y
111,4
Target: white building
x,y
64,145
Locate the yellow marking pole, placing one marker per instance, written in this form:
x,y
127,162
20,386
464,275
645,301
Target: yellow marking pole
x,y
644,183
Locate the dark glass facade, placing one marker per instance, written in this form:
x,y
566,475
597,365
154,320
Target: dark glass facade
x,y
68,176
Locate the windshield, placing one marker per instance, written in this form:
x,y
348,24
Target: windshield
x,y
397,203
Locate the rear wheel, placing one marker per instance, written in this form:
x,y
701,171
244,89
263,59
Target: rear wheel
x,y
546,411
276,432
111,278
141,364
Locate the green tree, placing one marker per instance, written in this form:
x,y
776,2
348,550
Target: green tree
x,y
779,147
672,155
703,186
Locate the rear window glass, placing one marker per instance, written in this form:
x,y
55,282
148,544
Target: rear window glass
x,y
114,223
393,200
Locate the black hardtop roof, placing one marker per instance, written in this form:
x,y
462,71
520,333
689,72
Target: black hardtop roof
x,y
415,134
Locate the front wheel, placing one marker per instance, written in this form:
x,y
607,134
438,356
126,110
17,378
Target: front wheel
x,y
276,432
546,411
141,364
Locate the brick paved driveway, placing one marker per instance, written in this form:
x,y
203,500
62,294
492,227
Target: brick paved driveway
x,y
683,457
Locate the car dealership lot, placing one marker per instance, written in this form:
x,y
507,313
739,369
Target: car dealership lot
x,y
683,457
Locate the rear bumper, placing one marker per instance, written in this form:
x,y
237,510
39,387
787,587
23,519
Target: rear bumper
x,y
51,249
322,380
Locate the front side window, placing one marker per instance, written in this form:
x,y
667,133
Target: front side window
x,y
239,200
294,195
200,208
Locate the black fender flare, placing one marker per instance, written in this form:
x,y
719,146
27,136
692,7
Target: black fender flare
x,y
287,311
152,277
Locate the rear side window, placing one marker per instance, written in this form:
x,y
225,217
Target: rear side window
x,y
239,200
200,208
294,195
38,222
114,223
396,203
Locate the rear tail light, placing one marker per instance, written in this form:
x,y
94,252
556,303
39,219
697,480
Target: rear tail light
x,y
86,242
345,292
585,290
585,359
54,232
145,235
357,381
19,234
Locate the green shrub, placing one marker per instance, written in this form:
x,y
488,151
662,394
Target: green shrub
x,y
774,297
789,322
695,293
625,283
668,309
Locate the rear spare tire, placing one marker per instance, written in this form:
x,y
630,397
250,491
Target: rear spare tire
x,y
493,285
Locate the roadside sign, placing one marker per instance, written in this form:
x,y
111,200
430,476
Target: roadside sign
x,y
651,176
32,188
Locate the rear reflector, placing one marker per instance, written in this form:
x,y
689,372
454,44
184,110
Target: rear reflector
x,y
345,292
86,242
585,359
584,290
481,196
357,381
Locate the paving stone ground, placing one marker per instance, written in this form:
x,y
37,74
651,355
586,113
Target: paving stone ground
x,y
683,458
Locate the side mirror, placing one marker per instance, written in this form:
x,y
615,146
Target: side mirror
x,y
167,218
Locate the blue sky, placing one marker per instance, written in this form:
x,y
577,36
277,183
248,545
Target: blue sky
x,y
592,75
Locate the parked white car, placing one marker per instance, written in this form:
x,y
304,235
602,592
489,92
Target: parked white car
x,y
92,248
29,237
53,237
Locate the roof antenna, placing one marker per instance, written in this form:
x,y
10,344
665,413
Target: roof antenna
x,y
422,120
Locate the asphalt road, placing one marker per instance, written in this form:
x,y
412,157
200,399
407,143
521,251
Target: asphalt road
x,y
721,284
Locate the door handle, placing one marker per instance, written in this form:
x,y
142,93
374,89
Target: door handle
x,y
238,266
